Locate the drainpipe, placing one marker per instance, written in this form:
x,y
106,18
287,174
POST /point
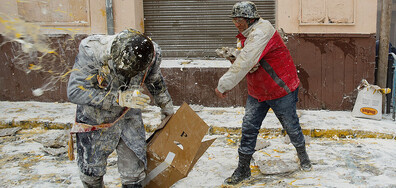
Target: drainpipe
x,y
384,46
110,17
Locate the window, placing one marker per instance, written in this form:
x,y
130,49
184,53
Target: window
x,y
59,12
327,12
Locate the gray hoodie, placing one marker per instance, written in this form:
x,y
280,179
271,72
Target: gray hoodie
x,y
97,103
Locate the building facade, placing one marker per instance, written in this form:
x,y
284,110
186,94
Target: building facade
x,y
332,43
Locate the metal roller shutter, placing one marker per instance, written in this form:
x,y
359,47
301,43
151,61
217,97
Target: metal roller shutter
x,y
195,28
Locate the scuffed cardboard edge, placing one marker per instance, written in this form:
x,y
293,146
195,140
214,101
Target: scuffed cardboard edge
x,y
160,126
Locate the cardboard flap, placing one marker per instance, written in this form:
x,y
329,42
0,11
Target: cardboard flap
x,y
204,146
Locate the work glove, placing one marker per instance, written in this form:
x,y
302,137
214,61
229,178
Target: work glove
x,y
167,110
133,99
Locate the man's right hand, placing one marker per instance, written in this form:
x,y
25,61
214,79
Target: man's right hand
x,y
228,53
133,99
231,59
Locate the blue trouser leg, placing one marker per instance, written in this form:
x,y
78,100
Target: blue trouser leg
x,y
255,112
285,110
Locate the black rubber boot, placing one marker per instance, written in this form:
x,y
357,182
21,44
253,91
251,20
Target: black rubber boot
x,y
243,170
305,163
96,182
132,186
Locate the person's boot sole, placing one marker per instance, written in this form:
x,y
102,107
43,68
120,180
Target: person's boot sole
x,y
225,184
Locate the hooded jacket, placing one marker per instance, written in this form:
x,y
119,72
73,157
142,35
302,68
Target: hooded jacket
x,y
266,63
93,86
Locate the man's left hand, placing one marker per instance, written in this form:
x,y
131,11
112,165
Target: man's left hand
x,y
220,95
167,110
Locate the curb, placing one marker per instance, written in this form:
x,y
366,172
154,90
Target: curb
x,y
314,133
34,124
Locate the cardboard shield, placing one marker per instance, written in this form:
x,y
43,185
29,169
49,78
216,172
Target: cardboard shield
x,y
175,147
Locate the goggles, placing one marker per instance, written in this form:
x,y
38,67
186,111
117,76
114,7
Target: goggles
x,y
238,20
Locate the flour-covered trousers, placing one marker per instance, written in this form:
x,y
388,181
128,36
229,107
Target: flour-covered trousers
x,y
130,167
255,112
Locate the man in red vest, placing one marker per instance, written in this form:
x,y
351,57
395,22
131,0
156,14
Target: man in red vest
x,y
272,79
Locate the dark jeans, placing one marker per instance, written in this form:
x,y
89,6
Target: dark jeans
x,y
255,112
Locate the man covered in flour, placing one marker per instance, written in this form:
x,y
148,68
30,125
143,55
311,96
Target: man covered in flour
x,y
106,84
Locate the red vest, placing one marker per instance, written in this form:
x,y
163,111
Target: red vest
x,y
276,75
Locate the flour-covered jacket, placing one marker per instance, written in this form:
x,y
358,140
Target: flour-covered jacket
x,y
266,63
93,86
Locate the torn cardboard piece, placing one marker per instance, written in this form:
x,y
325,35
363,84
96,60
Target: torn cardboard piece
x,y
173,150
